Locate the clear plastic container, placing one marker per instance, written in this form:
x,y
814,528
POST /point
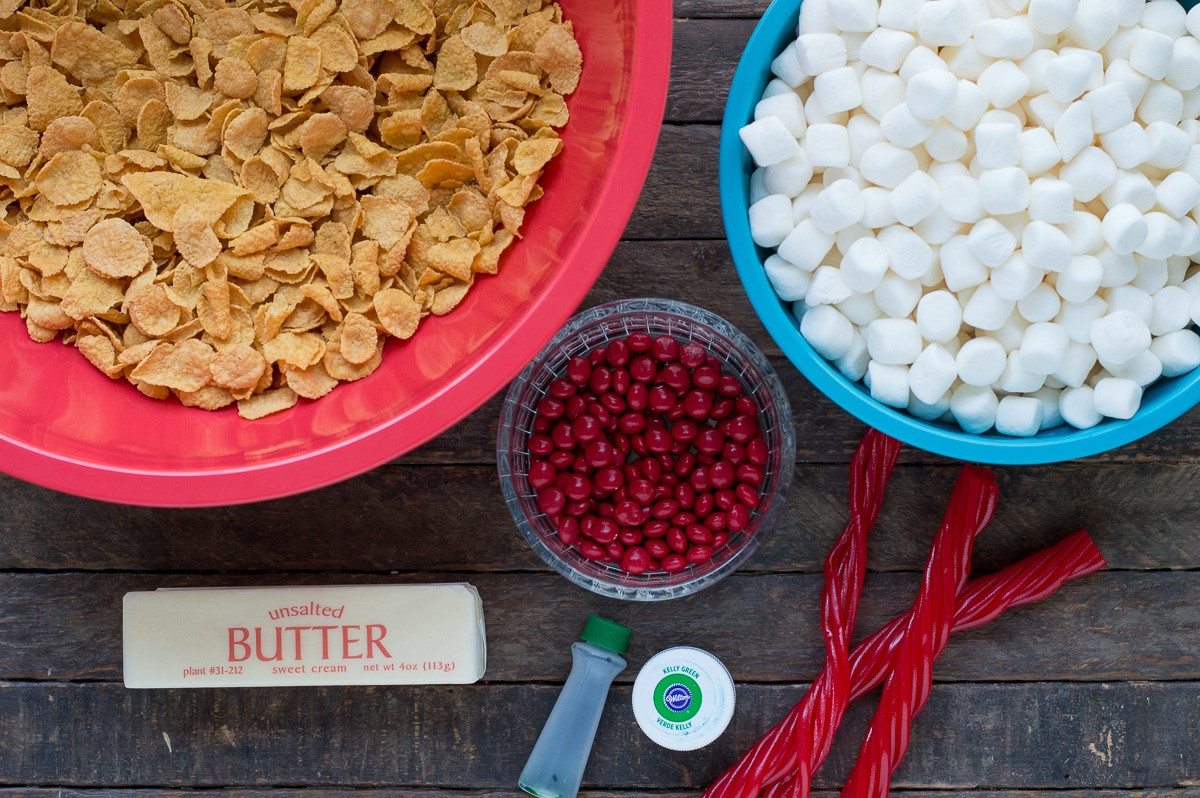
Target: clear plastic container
x,y
555,768
593,328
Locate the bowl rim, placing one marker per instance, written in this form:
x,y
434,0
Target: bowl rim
x,y
750,77
766,518
382,442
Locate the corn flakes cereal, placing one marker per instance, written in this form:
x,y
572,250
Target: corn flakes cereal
x,y
238,203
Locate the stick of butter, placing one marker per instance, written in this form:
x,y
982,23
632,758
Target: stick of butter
x,y
273,636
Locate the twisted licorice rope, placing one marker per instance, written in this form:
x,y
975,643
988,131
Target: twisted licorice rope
x,y
982,600
925,635
820,711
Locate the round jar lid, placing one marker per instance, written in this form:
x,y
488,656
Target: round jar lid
x,y
683,698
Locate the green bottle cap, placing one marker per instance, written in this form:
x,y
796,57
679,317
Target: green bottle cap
x,y
606,634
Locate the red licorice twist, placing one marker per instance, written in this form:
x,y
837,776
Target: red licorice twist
x,y
820,710
925,635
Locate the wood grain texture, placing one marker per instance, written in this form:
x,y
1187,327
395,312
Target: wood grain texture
x,y
1029,736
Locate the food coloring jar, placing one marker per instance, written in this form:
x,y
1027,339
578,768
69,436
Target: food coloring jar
x,y
683,698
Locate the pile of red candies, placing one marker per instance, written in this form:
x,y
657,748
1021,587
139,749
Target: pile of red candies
x,y
646,455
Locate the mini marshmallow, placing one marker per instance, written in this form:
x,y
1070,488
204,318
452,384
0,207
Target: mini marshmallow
x,y
886,48
1016,378
1164,17
1119,336
991,242
882,91
899,14
771,220
838,90
789,280
1003,82
1004,38
1076,365
1133,299
1078,407
1051,16
1011,332
893,341
864,264
1004,191
853,364
860,309
1081,279
787,67
1129,146
997,145
758,185
960,268
788,108
939,316
827,287
1142,370
1040,304
909,256
1046,247
827,331
965,61
1045,110
877,210
1178,351
806,245
769,141
1163,236
986,310
902,128
931,93
788,177
820,52
1014,279
1073,131
1019,416
1051,201
1184,70
854,16
915,197
888,383
946,144
827,145
968,106
1122,73
1039,151
1118,268
974,408
1117,397
960,199
1131,188
1089,173
1190,245
1094,23
1172,306
1151,274
1110,108
1171,145
776,86
942,23
938,411
921,59
935,229
1178,193
1067,76
802,204
1043,347
1034,66
1161,104
1151,53
887,165
932,373
896,296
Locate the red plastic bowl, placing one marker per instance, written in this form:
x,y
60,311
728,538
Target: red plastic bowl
x,y
66,426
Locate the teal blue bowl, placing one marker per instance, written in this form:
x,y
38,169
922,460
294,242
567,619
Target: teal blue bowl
x,y
1163,401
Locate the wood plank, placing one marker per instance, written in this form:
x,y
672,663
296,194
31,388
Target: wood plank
x,y
704,55
701,9
279,792
1113,625
1006,737
680,199
418,518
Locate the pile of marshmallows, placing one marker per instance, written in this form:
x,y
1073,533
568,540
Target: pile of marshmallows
x,y
987,209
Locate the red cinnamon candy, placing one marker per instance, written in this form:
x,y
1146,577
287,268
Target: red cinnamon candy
x,y
820,711
925,634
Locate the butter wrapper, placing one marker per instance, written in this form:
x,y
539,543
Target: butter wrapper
x,y
289,636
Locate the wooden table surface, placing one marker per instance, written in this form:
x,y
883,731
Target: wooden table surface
x,y
1095,690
